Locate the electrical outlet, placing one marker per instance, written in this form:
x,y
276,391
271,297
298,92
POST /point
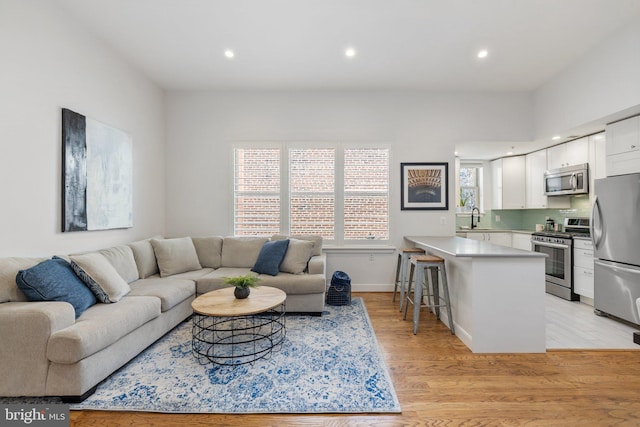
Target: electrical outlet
x,y
497,218
370,257
443,220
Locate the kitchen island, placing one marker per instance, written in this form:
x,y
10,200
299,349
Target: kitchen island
x,y
497,294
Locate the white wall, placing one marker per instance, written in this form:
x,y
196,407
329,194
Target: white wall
x,y
594,89
422,127
50,62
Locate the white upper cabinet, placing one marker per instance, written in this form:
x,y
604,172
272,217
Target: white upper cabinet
x,y
509,183
568,154
597,160
496,184
623,147
623,136
536,164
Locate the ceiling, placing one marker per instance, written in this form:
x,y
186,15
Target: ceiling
x,y
400,44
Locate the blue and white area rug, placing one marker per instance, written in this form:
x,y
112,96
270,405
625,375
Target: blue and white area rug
x,y
328,364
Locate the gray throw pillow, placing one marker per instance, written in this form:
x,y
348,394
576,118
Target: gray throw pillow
x,y
297,257
175,255
145,258
209,250
241,252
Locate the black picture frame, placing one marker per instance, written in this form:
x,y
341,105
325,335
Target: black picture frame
x,y
424,186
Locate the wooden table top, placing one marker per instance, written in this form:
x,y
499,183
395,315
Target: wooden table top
x,y
223,303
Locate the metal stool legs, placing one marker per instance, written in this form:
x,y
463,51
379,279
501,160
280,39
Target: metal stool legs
x,y
395,285
401,271
436,267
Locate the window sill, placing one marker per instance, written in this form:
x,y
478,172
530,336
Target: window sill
x,y
468,214
358,249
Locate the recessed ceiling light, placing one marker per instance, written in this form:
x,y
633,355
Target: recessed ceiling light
x,y
350,52
557,137
483,53
229,53
509,153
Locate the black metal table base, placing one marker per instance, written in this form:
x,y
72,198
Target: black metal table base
x,y
237,340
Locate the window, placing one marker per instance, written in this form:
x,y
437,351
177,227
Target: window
x,y
470,186
312,191
366,193
340,192
257,191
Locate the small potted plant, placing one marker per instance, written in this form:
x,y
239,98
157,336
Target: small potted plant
x,y
242,284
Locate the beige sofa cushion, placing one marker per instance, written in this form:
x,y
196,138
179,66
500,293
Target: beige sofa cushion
x,y
145,258
9,268
170,291
317,241
175,255
100,326
209,250
122,259
297,256
290,283
241,251
100,276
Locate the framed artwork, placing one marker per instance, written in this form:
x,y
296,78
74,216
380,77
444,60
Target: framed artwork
x,y
425,186
97,175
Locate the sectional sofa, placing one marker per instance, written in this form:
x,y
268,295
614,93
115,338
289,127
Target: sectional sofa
x,y
63,340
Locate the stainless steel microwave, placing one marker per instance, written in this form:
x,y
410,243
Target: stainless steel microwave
x,y
569,180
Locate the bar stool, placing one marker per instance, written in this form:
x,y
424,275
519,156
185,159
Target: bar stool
x,y
435,265
401,271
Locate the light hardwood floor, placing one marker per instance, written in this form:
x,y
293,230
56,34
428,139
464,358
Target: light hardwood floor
x,y
441,383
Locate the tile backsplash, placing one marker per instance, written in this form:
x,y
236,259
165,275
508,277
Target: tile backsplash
x,y
526,219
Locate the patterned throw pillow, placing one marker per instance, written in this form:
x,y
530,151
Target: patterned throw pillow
x,y
100,276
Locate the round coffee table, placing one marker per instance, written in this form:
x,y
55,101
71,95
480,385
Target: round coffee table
x,y
230,331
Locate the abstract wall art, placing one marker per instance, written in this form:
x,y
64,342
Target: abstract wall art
x,y
97,175
425,186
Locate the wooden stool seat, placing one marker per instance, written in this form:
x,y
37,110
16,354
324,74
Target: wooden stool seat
x,y
413,251
427,258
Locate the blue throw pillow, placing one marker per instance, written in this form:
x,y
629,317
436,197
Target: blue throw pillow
x,y
270,257
54,280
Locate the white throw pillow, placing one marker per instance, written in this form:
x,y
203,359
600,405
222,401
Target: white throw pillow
x,y
175,255
100,276
297,257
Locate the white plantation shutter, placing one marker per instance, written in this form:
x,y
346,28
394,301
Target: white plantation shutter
x,y
338,192
366,193
256,191
312,191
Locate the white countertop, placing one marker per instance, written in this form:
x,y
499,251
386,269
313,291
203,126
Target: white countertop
x,y
491,230
461,247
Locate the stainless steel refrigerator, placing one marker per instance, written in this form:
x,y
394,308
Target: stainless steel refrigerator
x,y
615,222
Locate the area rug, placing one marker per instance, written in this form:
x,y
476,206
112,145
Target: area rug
x,y
327,364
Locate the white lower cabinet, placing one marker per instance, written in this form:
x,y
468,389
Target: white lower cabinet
x,y
503,239
521,241
583,267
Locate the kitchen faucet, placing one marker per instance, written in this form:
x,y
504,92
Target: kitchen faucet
x,y
474,224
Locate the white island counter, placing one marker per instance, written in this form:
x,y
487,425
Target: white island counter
x,y
497,294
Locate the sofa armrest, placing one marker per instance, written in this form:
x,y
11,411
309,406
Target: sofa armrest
x,y
25,328
318,265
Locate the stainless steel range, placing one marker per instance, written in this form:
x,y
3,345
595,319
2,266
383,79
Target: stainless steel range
x,y
559,262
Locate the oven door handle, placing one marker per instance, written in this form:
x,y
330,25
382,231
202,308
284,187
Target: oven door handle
x,y
550,245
